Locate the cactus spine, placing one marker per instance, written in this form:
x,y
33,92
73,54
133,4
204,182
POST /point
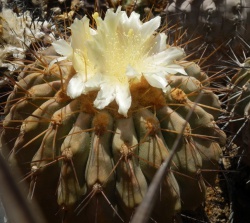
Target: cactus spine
x,y
100,162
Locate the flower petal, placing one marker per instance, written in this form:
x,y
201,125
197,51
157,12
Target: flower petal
x,y
105,96
166,57
131,72
62,47
76,86
175,68
132,22
156,80
56,60
93,83
160,45
148,28
79,62
112,19
123,99
80,33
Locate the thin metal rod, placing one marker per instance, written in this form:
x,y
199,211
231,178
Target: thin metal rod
x,y
143,212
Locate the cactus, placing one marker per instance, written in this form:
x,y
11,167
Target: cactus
x,y
236,124
212,29
239,110
214,20
91,151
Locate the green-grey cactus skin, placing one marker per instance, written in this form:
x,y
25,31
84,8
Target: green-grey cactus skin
x,y
30,131
96,165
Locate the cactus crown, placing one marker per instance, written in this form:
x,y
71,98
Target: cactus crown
x,y
116,55
66,126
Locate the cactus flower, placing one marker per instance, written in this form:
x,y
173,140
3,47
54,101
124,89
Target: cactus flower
x,y
116,54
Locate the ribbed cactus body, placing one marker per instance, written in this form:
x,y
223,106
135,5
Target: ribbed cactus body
x,y
213,22
95,164
214,30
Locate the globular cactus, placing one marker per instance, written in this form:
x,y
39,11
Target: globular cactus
x,y
89,129
214,29
237,126
214,20
239,110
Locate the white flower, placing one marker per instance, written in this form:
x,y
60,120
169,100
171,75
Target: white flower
x,y
120,51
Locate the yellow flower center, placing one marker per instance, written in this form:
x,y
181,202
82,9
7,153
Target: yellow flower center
x,y
121,51
95,15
